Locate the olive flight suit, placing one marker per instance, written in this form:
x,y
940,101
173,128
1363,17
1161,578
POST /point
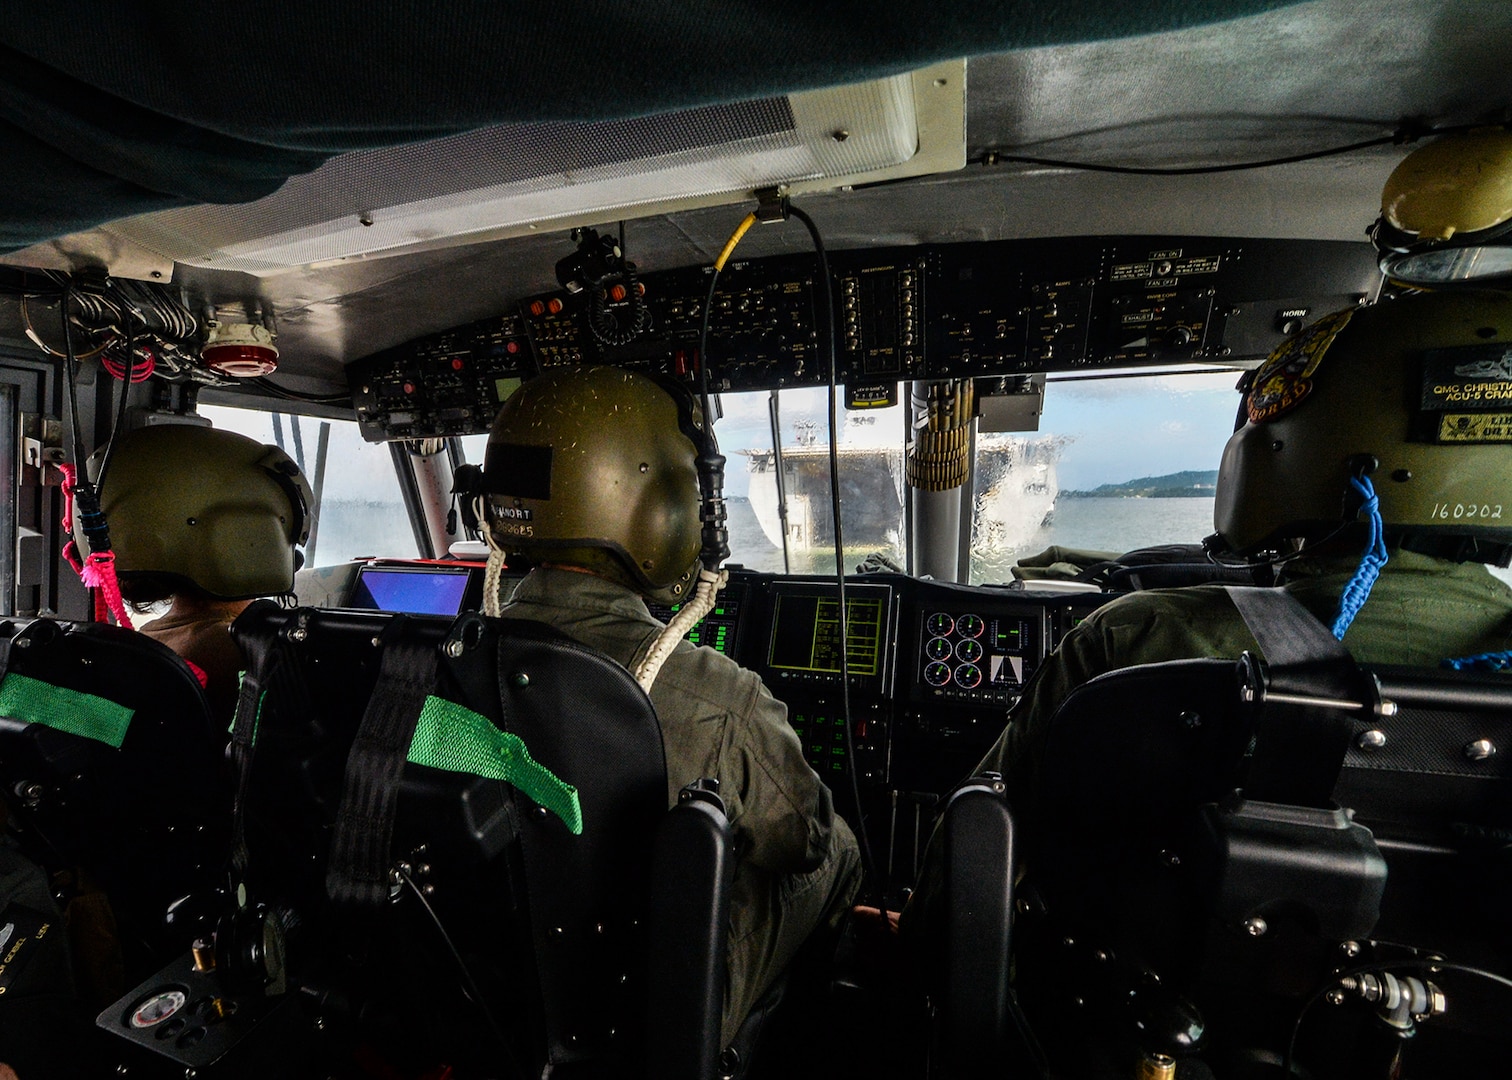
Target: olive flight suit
x,y
1421,610
797,864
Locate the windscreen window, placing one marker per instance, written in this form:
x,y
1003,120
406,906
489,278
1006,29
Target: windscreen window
x,y
1117,464
359,511
789,528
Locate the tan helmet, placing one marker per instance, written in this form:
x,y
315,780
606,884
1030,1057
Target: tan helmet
x,y
217,508
1446,211
597,468
1421,385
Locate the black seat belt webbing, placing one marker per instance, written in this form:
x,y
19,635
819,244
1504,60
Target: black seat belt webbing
x,y
1299,749
273,678
358,872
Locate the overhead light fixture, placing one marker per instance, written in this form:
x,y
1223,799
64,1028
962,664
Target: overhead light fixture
x,y
511,180
239,350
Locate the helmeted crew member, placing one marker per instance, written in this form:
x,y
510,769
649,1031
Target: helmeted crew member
x,y
592,479
208,520
1421,385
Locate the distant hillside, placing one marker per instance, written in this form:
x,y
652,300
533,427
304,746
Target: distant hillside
x,y
1181,485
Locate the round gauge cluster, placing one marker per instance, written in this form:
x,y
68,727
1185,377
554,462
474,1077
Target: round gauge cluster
x,y
953,651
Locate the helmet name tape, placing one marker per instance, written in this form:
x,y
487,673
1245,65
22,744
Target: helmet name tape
x,y
1285,379
1475,428
1468,390
517,469
1472,378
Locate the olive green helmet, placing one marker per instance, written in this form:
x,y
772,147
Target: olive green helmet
x,y
1446,211
219,509
597,468
1422,386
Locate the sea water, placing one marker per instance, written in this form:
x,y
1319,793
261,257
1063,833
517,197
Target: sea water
x,y
1104,524
1100,524
1123,524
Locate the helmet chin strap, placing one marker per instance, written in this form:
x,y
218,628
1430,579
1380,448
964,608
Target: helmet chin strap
x,y
702,600
493,573
715,538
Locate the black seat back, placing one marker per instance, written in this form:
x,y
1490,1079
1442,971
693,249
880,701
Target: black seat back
x,y
1144,863
1129,758
144,814
1433,781
550,925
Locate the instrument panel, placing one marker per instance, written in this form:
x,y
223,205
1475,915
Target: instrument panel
x,y
972,657
985,309
932,667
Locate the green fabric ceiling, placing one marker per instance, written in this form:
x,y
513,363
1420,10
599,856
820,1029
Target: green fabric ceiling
x,y
109,110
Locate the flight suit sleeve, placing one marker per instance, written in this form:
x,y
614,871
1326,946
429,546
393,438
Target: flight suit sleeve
x,y
1141,628
786,815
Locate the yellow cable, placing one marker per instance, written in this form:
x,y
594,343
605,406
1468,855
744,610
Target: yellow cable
x,y
729,248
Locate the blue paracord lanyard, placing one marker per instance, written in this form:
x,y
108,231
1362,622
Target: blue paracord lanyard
x,y
1358,590
1486,661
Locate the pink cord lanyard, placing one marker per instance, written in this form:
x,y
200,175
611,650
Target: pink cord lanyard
x,y
97,571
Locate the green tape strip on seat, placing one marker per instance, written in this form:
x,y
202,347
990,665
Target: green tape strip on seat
x,y
36,702
451,737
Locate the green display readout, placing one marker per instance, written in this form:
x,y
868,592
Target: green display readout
x,y
716,629
806,634
823,739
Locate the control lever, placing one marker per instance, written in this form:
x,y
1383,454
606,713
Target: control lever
x,y
211,1001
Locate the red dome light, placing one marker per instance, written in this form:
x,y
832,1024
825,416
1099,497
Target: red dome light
x,y
241,361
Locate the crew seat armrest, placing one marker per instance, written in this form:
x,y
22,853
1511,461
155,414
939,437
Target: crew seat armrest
x,y
979,892
692,869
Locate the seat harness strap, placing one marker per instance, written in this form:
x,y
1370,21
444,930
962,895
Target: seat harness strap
x,y
1299,747
34,701
87,716
273,671
358,873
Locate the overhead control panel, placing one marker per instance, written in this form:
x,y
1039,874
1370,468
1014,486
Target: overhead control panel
x,y
445,384
930,312
763,325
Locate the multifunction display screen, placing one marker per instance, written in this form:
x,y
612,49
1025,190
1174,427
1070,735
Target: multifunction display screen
x,y
718,629
806,630
412,590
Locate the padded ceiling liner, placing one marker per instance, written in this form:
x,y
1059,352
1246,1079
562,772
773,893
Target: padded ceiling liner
x,y
109,110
